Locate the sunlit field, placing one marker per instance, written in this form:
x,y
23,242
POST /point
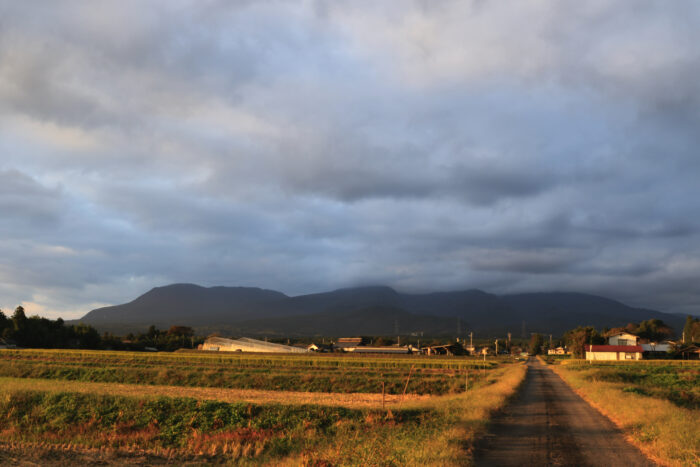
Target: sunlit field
x,y
247,408
657,403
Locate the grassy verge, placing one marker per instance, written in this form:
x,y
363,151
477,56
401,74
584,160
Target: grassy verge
x,y
434,432
446,435
656,425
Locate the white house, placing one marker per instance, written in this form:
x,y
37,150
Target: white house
x,y
623,338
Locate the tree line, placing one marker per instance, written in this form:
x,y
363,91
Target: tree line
x,y
38,332
653,330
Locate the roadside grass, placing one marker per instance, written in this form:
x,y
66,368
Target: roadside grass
x,y
446,436
436,431
679,384
659,427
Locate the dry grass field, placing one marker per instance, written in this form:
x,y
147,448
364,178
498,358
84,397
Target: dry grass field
x,y
63,407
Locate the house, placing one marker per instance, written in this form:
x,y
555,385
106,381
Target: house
x,y
621,346
558,351
245,344
622,338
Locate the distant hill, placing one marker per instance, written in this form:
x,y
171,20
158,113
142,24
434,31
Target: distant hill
x,y
365,310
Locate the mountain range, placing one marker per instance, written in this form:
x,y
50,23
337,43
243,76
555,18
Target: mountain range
x,y
375,310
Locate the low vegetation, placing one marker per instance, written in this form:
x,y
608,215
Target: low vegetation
x,y
285,373
655,402
68,424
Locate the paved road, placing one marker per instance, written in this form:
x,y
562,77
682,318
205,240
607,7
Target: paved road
x,y
549,424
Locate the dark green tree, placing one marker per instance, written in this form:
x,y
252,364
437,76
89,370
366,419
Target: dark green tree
x,y
577,339
654,330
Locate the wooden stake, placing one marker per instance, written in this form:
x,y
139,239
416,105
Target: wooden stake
x,y
382,395
407,380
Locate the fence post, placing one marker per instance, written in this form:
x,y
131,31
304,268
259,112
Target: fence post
x,y
382,395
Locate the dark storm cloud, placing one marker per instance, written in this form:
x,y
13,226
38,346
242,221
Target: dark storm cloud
x,y
302,146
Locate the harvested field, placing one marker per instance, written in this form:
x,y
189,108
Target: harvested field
x,y
356,400
62,419
314,373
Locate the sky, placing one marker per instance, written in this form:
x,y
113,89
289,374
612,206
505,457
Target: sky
x,y
510,146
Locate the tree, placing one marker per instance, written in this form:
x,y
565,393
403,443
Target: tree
x,y
654,330
536,342
577,339
691,330
184,331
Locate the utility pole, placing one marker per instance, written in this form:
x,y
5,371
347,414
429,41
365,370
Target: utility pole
x,y
471,344
496,346
550,341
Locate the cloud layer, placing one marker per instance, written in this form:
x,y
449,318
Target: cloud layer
x,y
302,146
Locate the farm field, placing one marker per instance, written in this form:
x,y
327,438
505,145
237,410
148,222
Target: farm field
x,y
72,406
656,402
316,373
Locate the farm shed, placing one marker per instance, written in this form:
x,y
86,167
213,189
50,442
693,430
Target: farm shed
x,y
445,349
320,348
367,349
655,348
245,344
347,343
691,352
613,352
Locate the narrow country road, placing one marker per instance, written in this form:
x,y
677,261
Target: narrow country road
x,y
549,424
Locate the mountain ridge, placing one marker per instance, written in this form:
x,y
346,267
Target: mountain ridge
x,y
258,311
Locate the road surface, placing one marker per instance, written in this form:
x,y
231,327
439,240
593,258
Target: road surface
x,y
549,424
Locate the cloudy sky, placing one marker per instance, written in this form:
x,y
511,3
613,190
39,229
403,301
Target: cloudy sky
x,y
304,146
